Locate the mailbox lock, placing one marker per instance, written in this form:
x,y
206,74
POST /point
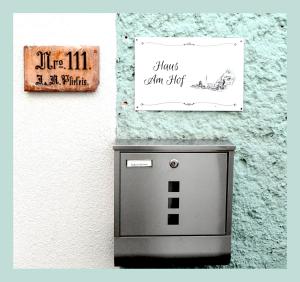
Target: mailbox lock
x,y
174,163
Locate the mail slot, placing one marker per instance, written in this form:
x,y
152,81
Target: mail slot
x,y
172,201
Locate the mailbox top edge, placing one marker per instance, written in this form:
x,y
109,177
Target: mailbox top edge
x,y
167,145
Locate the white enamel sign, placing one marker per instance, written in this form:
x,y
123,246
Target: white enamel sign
x,y
189,74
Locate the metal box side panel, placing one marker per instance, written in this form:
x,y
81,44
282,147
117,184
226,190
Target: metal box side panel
x,y
117,169
229,191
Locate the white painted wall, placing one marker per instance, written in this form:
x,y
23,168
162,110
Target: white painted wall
x,y
63,159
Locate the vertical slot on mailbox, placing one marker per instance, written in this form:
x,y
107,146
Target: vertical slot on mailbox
x,y
173,186
173,203
173,219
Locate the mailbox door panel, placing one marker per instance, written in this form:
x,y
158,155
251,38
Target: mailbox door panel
x,y
156,199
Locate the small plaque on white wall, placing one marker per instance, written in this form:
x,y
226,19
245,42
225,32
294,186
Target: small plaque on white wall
x,y
189,74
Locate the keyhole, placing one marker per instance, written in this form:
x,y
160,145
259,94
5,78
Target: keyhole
x,y
174,163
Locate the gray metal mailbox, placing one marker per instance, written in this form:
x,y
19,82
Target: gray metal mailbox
x,y
172,201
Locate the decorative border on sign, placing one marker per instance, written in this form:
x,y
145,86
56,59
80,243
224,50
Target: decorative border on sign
x,y
186,104
190,44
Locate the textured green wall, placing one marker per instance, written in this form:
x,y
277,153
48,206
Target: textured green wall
x,y
259,132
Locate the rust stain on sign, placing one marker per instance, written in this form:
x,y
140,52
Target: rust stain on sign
x,y
61,68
